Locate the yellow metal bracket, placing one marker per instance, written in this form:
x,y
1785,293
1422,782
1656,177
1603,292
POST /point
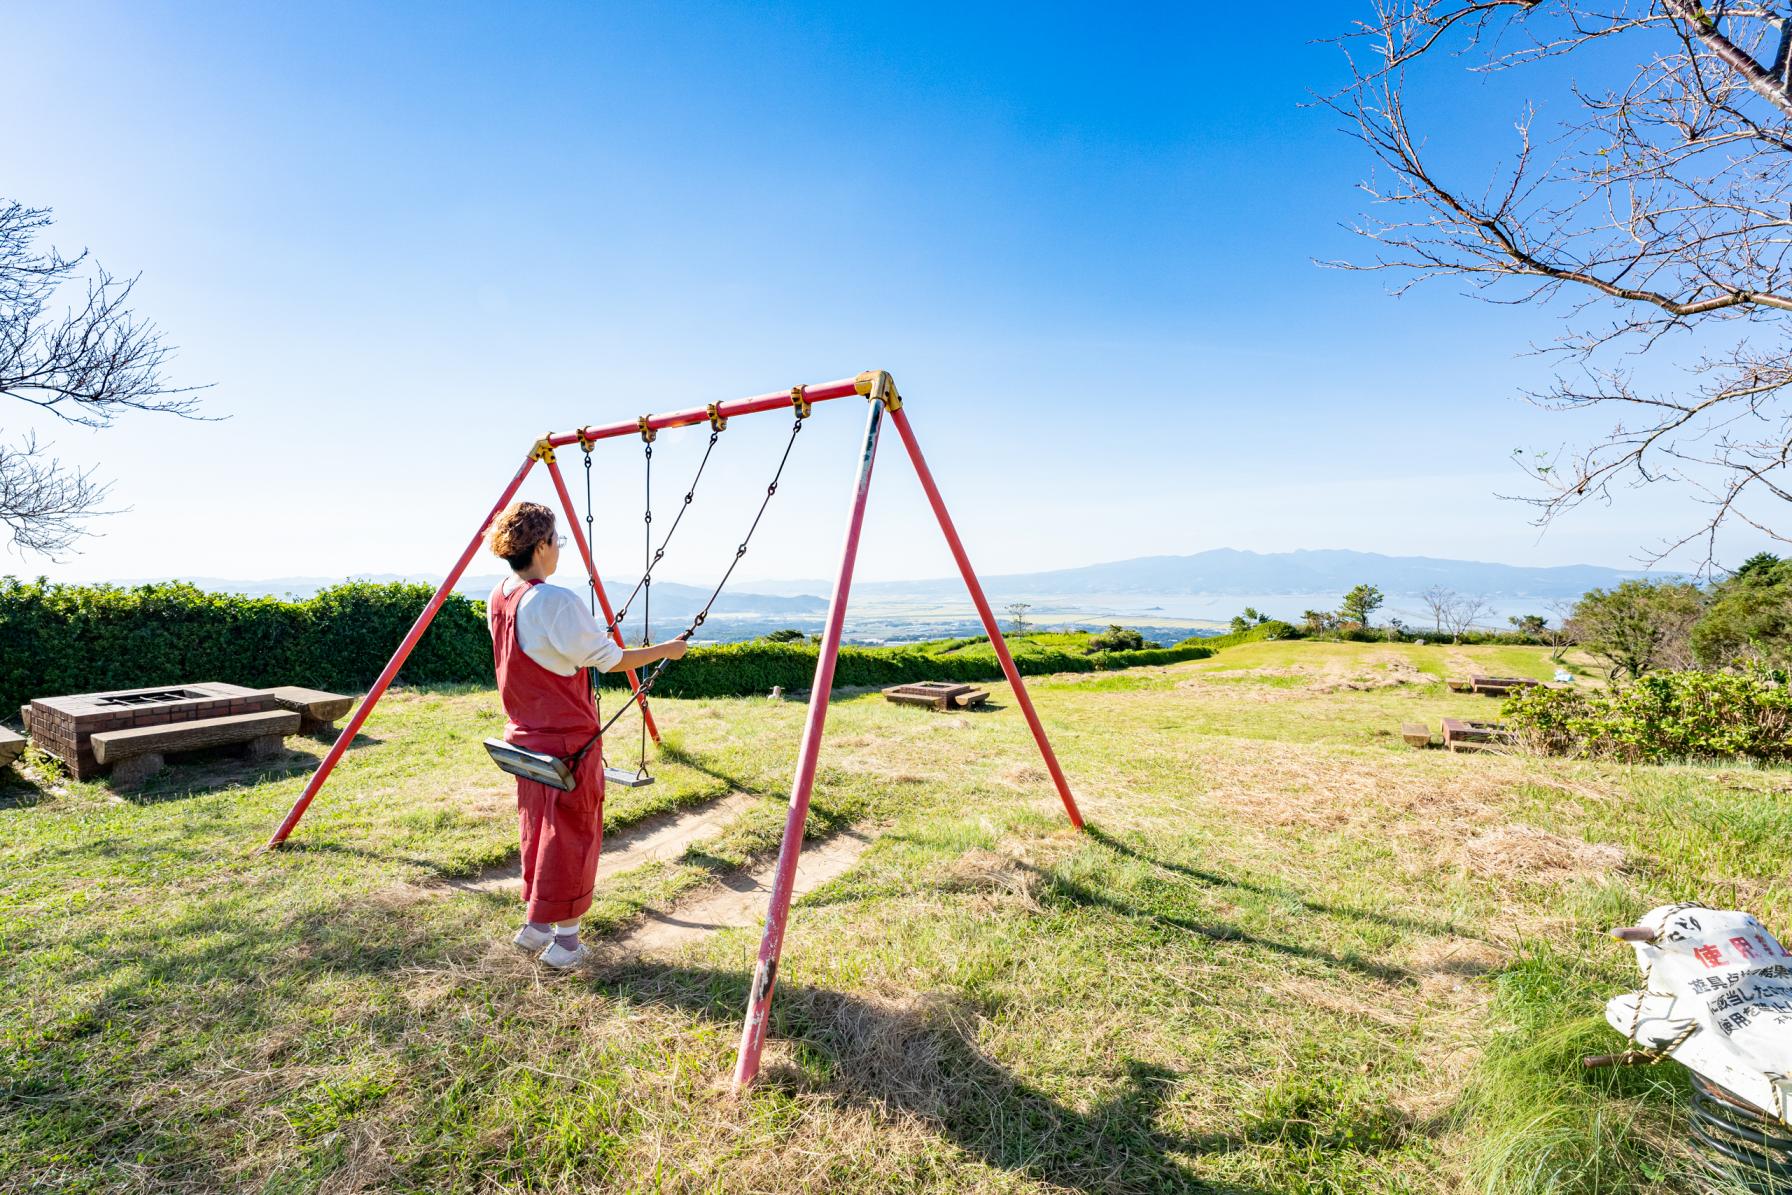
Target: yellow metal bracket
x,y
586,443
717,420
879,386
543,451
799,399
647,430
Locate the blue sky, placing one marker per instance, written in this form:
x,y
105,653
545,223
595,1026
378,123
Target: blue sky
x,y
403,241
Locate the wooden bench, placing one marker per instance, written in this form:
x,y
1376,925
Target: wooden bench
x,y
1416,734
1462,732
135,755
937,694
11,746
1500,686
317,710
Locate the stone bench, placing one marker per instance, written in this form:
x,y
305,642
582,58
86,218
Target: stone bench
x,y
136,754
937,694
1462,732
1416,734
317,710
11,746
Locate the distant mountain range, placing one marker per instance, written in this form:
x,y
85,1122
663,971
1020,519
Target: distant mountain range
x,y
1220,571
669,597
1232,571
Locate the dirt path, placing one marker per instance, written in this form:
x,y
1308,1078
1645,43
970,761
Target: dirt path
x,y
740,902
655,840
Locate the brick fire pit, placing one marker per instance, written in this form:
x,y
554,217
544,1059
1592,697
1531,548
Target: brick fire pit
x,y
65,726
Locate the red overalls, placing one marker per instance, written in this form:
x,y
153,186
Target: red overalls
x,y
562,832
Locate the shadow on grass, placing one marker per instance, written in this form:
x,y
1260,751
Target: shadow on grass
x,y
214,769
921,1059
18,790
1218,880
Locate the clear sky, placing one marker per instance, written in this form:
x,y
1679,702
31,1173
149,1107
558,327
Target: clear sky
x,y
402,241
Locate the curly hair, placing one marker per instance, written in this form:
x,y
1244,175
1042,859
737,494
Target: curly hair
x,y
517,530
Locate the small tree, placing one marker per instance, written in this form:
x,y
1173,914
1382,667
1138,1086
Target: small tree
x,y
785,635
1017,616
1561,631
1318,621
1640,625
1117,638
1438,600
1749,616
1529,624
1359,604
1463,612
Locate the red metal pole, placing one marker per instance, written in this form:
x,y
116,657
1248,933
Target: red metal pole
x,y
597,585
900,418
398,658
752,1036
820,392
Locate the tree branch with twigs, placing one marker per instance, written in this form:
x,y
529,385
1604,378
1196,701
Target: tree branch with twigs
x,y
1656,211
84,364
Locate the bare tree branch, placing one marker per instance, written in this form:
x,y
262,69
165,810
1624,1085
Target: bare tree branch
x,y
1655,213
84,364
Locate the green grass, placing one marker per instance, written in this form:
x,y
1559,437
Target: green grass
x,y
1291,955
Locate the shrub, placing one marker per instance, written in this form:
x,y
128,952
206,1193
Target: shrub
x,y
1663,716
743,669
1117,638
77,639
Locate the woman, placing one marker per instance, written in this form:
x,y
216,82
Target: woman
x,y
543,640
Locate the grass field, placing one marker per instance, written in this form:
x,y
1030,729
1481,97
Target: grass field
x,y
1292,955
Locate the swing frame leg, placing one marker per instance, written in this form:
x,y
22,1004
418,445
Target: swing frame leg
x,y
899,417
597,585
771,946
390,671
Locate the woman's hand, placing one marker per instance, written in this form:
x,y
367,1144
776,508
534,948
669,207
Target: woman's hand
x,y
641,657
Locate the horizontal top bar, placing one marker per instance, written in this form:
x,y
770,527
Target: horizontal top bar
x,y
738,406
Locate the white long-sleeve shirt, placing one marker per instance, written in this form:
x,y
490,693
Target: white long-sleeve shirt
x,y
554,628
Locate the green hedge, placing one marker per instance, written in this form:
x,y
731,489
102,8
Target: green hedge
x,y
80,639
1662,716
743,669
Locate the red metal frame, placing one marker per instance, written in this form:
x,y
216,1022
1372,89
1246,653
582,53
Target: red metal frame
x,y
771,946
398,658
900,418
879,388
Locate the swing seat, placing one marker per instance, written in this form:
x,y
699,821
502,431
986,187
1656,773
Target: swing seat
x,y
628,779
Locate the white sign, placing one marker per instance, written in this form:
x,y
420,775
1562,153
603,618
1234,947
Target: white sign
x,y
1721,974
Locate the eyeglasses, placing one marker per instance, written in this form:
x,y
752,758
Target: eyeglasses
x,y
559,541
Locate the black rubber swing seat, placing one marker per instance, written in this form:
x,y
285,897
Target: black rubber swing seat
x,y
628,779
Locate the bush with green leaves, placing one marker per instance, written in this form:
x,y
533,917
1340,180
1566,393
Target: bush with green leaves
x,y
1662,716
1117,638
79,639
743,669
86,638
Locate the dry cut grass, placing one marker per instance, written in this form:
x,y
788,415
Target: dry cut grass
x,y
1290,955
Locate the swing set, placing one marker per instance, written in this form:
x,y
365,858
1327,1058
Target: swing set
x,y
884,402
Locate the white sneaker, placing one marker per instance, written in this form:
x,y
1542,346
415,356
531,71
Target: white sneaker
x,y
562,959
531,939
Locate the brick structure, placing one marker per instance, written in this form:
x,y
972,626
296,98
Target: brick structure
x,y
64,726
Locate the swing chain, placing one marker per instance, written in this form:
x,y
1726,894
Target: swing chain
x,y
689,495
590,519
647,682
